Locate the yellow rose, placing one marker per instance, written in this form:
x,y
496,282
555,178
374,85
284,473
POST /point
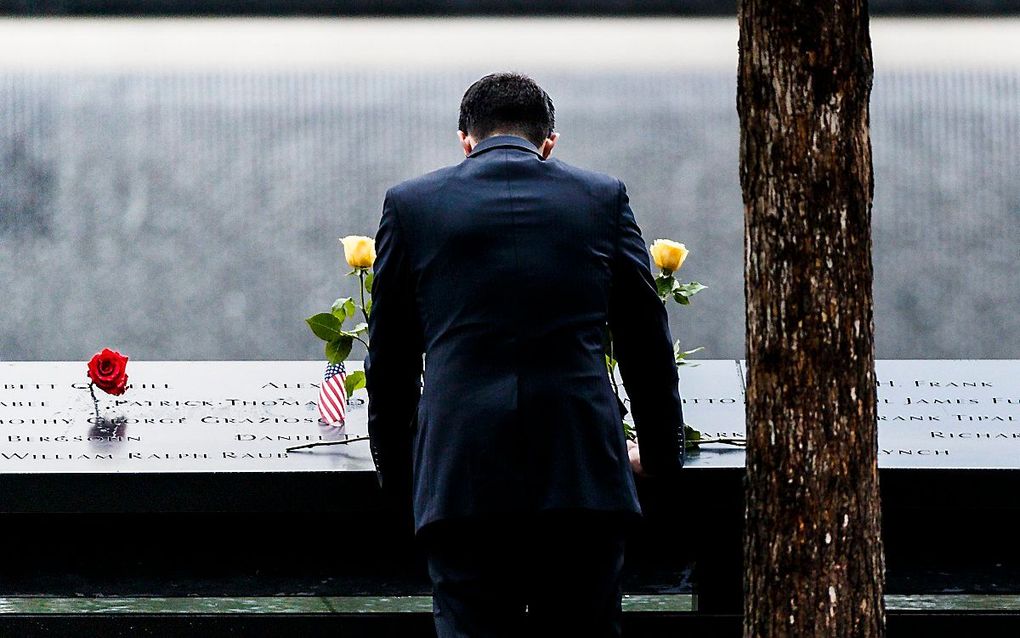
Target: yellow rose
x,y
668,254
359,250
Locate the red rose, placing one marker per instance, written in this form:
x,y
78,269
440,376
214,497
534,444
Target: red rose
x,y
107,371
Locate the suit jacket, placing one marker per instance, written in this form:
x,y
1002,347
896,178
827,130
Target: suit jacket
x,y
505,270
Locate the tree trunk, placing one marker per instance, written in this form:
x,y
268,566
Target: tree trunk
x,y
813,552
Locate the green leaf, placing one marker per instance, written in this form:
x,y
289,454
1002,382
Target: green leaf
x,y
691,437
368,306
339,308
350,308
338,349
354,381
325,326
664,285
628,431
683,354
361,327
690,289
682,293
680,355
369,278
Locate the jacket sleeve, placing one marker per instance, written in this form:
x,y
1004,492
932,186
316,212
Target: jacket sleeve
x,y
393,365
643,348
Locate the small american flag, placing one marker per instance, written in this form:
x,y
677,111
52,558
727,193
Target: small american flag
x,y
333,394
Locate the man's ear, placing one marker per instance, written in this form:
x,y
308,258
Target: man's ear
x,y
466,142
548,144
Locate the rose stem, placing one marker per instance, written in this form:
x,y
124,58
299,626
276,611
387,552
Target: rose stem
x,y
95,401
344,442
361,278
612,367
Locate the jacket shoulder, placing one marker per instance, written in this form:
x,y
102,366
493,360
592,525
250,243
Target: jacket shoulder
x,y
602,185
422,184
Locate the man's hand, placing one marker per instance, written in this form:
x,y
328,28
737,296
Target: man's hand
x,y
635,458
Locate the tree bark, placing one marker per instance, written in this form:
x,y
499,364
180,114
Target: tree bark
x,y
813,556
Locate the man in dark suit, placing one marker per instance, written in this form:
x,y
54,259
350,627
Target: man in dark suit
x,y
506,270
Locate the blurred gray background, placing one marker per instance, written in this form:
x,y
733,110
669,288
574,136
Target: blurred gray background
x,y
195,214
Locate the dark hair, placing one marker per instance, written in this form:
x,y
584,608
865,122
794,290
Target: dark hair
x,y
509,103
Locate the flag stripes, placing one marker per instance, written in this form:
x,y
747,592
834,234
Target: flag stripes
x,y
333,395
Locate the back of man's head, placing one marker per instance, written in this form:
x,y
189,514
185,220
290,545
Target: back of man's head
x,y
509,104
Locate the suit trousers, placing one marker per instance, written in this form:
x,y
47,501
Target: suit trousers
x,y
552,573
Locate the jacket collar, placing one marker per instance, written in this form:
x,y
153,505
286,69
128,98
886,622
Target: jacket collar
x,y
504,141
